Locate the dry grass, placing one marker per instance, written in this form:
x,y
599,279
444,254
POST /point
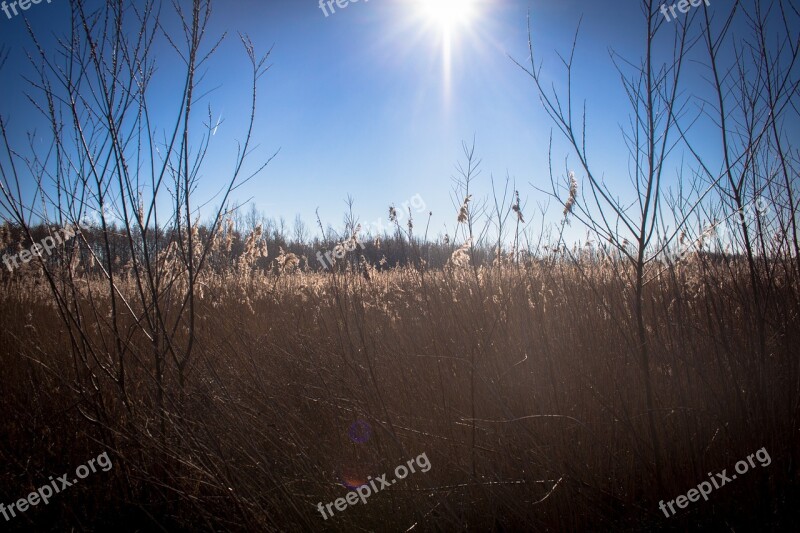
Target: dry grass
x,y
542,354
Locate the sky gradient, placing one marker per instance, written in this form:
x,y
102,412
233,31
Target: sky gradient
x,y
359,102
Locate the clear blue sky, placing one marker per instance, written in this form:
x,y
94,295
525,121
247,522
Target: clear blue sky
x,y
359,103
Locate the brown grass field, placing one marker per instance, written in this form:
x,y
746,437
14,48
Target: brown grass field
x,y
519,382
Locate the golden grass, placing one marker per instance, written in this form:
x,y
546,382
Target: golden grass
x,y
543,355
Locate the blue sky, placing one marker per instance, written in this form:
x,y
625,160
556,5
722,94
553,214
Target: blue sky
x,y
358,102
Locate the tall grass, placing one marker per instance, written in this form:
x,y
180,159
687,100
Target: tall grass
x,y
257,435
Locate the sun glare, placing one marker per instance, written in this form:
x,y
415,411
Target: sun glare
x,y
448,25
447,14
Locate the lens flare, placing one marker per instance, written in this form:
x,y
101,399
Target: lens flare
x,y
359,431
354,477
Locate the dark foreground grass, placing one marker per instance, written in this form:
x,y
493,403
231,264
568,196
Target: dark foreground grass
x,y
521,385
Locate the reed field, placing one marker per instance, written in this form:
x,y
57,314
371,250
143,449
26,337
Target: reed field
x,y
519,382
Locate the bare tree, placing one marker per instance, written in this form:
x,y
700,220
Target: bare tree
x,y
108,150
300,230
653,92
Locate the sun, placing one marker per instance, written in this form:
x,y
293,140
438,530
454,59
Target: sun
x,y
449,25
447,14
